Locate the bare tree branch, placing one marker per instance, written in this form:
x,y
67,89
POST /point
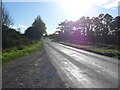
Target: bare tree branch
x,y
6,18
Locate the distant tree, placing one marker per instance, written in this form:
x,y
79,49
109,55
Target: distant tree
x,y
101,29
30,33
39,26
107,19
37,29
115,29
82,25
6,18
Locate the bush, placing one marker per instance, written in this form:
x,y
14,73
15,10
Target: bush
x,y
12,38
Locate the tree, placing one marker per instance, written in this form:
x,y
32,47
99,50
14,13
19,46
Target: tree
x,y
107,19
37,29
7,20
39,26
12,38
102,29
115,28
30,33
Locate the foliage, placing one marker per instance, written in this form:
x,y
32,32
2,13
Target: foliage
x,y
101,29
7,56
6,18
12,38
98,48
37,29
15,44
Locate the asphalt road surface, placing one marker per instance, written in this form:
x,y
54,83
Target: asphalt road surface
x,y
61,66
82,69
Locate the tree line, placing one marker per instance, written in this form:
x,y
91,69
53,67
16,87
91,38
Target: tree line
x,y
12,38
101,29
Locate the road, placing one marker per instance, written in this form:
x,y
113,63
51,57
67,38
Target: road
x,y
31,71
60,66
82,69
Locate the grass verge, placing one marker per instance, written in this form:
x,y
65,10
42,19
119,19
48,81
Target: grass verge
x,y
7,56
96,49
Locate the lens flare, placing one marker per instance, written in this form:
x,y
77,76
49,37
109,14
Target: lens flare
x,y
76,7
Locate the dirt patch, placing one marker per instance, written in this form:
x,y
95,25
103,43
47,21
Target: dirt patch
x,y
31,71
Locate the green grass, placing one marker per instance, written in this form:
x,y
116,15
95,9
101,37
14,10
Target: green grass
x,y
0,57
97,49
108,52
105,50
7,56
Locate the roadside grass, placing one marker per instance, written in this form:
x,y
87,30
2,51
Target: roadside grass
x,y
103,50
0,58
7,56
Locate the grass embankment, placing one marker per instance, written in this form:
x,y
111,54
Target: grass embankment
x,y
107,50
7,56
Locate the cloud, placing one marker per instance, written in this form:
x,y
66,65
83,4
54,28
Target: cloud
x,y
22,26
30,0
111,4
100,2
13,27
19,26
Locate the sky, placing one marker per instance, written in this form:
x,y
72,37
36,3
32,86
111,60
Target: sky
x,y
54,12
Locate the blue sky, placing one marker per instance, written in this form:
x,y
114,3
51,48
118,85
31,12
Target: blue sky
x,y
53,13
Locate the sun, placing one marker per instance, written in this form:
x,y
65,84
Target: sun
x,y
75,7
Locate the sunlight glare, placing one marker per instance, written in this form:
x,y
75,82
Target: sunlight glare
x,y
76,7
